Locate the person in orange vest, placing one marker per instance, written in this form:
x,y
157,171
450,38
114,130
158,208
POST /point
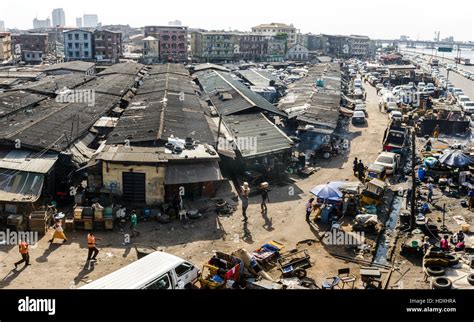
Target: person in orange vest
x,y
91,245
25,256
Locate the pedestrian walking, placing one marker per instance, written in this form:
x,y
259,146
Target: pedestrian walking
x,y
264,192
245,191
91,245
58,232
430,192
365,95
354,167
133,223
426,245
24,252
361,170
309,208
408,198
436,132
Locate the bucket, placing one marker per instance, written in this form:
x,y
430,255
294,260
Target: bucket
x,y
414,244
465,228
108,212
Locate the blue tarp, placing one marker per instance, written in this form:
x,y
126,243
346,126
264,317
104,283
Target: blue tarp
x,y
328,192
456,159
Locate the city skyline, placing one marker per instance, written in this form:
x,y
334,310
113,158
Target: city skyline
x,y
383,24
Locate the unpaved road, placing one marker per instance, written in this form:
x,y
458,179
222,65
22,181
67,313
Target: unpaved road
x,y
62,266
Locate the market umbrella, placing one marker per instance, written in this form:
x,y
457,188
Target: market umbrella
x,y
326,191
430,161
456,159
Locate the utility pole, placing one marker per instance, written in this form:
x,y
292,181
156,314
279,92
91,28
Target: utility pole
x,y
218,132
413,179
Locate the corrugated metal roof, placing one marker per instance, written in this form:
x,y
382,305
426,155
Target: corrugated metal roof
x,y
243,99
50,84
20,186
14,101
77,65
259,77
23,160
129,68
192,173
257,134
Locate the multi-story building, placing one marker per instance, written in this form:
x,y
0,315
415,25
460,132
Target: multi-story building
x,y
78,45
314,42
33,46
2,26
91,21
41,24
173,41
273,29
107,45
79,22
276,49
5,46
359,46
151,50
346,46
297,52
214,46
59,18
253,46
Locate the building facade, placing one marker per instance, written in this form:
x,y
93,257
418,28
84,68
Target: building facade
x,y
90,21
41,24
359,46
78,45
59,18
346,46
253,46
173,42
2,26
5,46
276,49
79,22
107,46
151,50
273,29
33,46
214,46
297,52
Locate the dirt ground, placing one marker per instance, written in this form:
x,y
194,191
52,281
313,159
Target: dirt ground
x,y
63,266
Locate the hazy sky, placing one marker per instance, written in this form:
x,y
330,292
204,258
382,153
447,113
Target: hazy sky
x,y
377,19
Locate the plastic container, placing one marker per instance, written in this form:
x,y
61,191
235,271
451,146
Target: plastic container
x,y
108,212
78,213
414,244
147,212
87,212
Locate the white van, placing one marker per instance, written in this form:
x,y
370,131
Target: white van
x,y
387,98
157,271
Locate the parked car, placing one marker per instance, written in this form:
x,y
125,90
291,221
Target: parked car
x,y
360,107
462,99
358,117
457,92
395,115
468,107
391,106
389,160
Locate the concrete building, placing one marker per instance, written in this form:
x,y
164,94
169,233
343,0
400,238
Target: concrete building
x,y
297,52
214,46
107,46
79,22
5,46
2,26
314,42
39,24
78,45
151,50
173,41
59,18
273,29
33,46
253,46
277,48
359,46
90,21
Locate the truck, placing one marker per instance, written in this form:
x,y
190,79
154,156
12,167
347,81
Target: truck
x,y
394,138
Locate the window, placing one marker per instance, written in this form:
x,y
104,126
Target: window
x,y
86,36
76,45
162,283
86,45
77,54
69,54
76,36
86,54
69,45
69,36
183,269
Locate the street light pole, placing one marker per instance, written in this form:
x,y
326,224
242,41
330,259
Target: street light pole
x,y
413,179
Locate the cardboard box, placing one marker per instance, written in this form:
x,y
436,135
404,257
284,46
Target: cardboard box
x,y
78,213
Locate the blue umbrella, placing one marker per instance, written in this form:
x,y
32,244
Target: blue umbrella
x,y
325,191
456,159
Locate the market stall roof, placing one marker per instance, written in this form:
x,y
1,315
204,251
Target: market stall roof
x,y
23,160
20,186
456,159
192,173
326,191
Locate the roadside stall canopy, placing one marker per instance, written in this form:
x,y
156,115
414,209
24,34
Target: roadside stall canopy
x,y
19,186
327,192
192,173
347,186
456,159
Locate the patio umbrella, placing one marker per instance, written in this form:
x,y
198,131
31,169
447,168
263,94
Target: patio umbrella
x,y
430,161
326,191
456,159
